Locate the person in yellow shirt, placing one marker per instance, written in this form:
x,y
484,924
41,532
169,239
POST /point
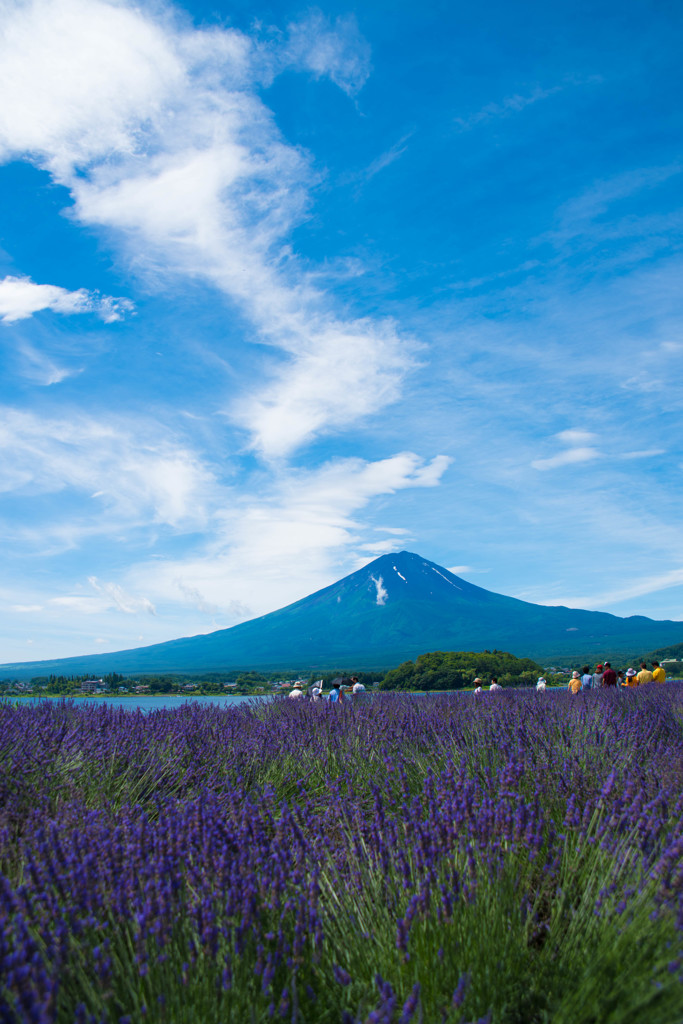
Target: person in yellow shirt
x,y
575,683
644,676
658,673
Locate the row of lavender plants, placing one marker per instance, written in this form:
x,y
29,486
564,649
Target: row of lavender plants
x,y
512,858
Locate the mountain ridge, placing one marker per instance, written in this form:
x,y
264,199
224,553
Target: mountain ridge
x,y
389,611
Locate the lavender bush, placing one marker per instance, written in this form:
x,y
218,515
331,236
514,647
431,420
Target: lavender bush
x,y
507,858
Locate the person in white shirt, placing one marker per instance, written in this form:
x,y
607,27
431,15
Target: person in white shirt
x,y
541,684
357,687
296,693
495,685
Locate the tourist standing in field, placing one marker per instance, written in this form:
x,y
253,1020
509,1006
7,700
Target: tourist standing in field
x,y
620,678
597,676
334,693
541,684
644,676
357,686
586,678
296,692
609,676
658,673
631,679
495,685
574,684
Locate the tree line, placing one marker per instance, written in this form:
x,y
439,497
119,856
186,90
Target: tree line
x,y
455,670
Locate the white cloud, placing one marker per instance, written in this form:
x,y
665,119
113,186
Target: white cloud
x,y
157,131
344,372
626,590
570,457
381,590
289,542
584,215
338,51
375,548
575,437
20,298
39,368
647,453
644,383
384,160
387,158
512,104
580,451
518,101
121,599
132,470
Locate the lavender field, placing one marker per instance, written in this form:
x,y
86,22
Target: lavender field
x,y
513,858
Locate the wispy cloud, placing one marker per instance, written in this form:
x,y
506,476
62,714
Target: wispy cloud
x,y
125,473
342,371
388,157
512,104
627,589
575,436
336,50
40,368
570,457
577,452
381,593
646,453
477,282
281,545
381,162
125,602
171,150
586,214
518,101
20,298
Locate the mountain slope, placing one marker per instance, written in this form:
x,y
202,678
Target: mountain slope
x,y
391,610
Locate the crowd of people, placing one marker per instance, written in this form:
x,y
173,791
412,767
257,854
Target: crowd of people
x,y
605,676
346,688
343,688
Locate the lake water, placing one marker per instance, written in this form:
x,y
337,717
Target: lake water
x,y
151,702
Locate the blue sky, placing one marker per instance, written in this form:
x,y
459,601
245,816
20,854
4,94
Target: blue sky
x,y
283,288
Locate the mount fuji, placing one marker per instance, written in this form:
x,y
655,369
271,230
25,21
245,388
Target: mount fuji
x,y
389,611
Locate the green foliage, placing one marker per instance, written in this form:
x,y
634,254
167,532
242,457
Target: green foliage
x,y
250,678
366,678
454,670
674,651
